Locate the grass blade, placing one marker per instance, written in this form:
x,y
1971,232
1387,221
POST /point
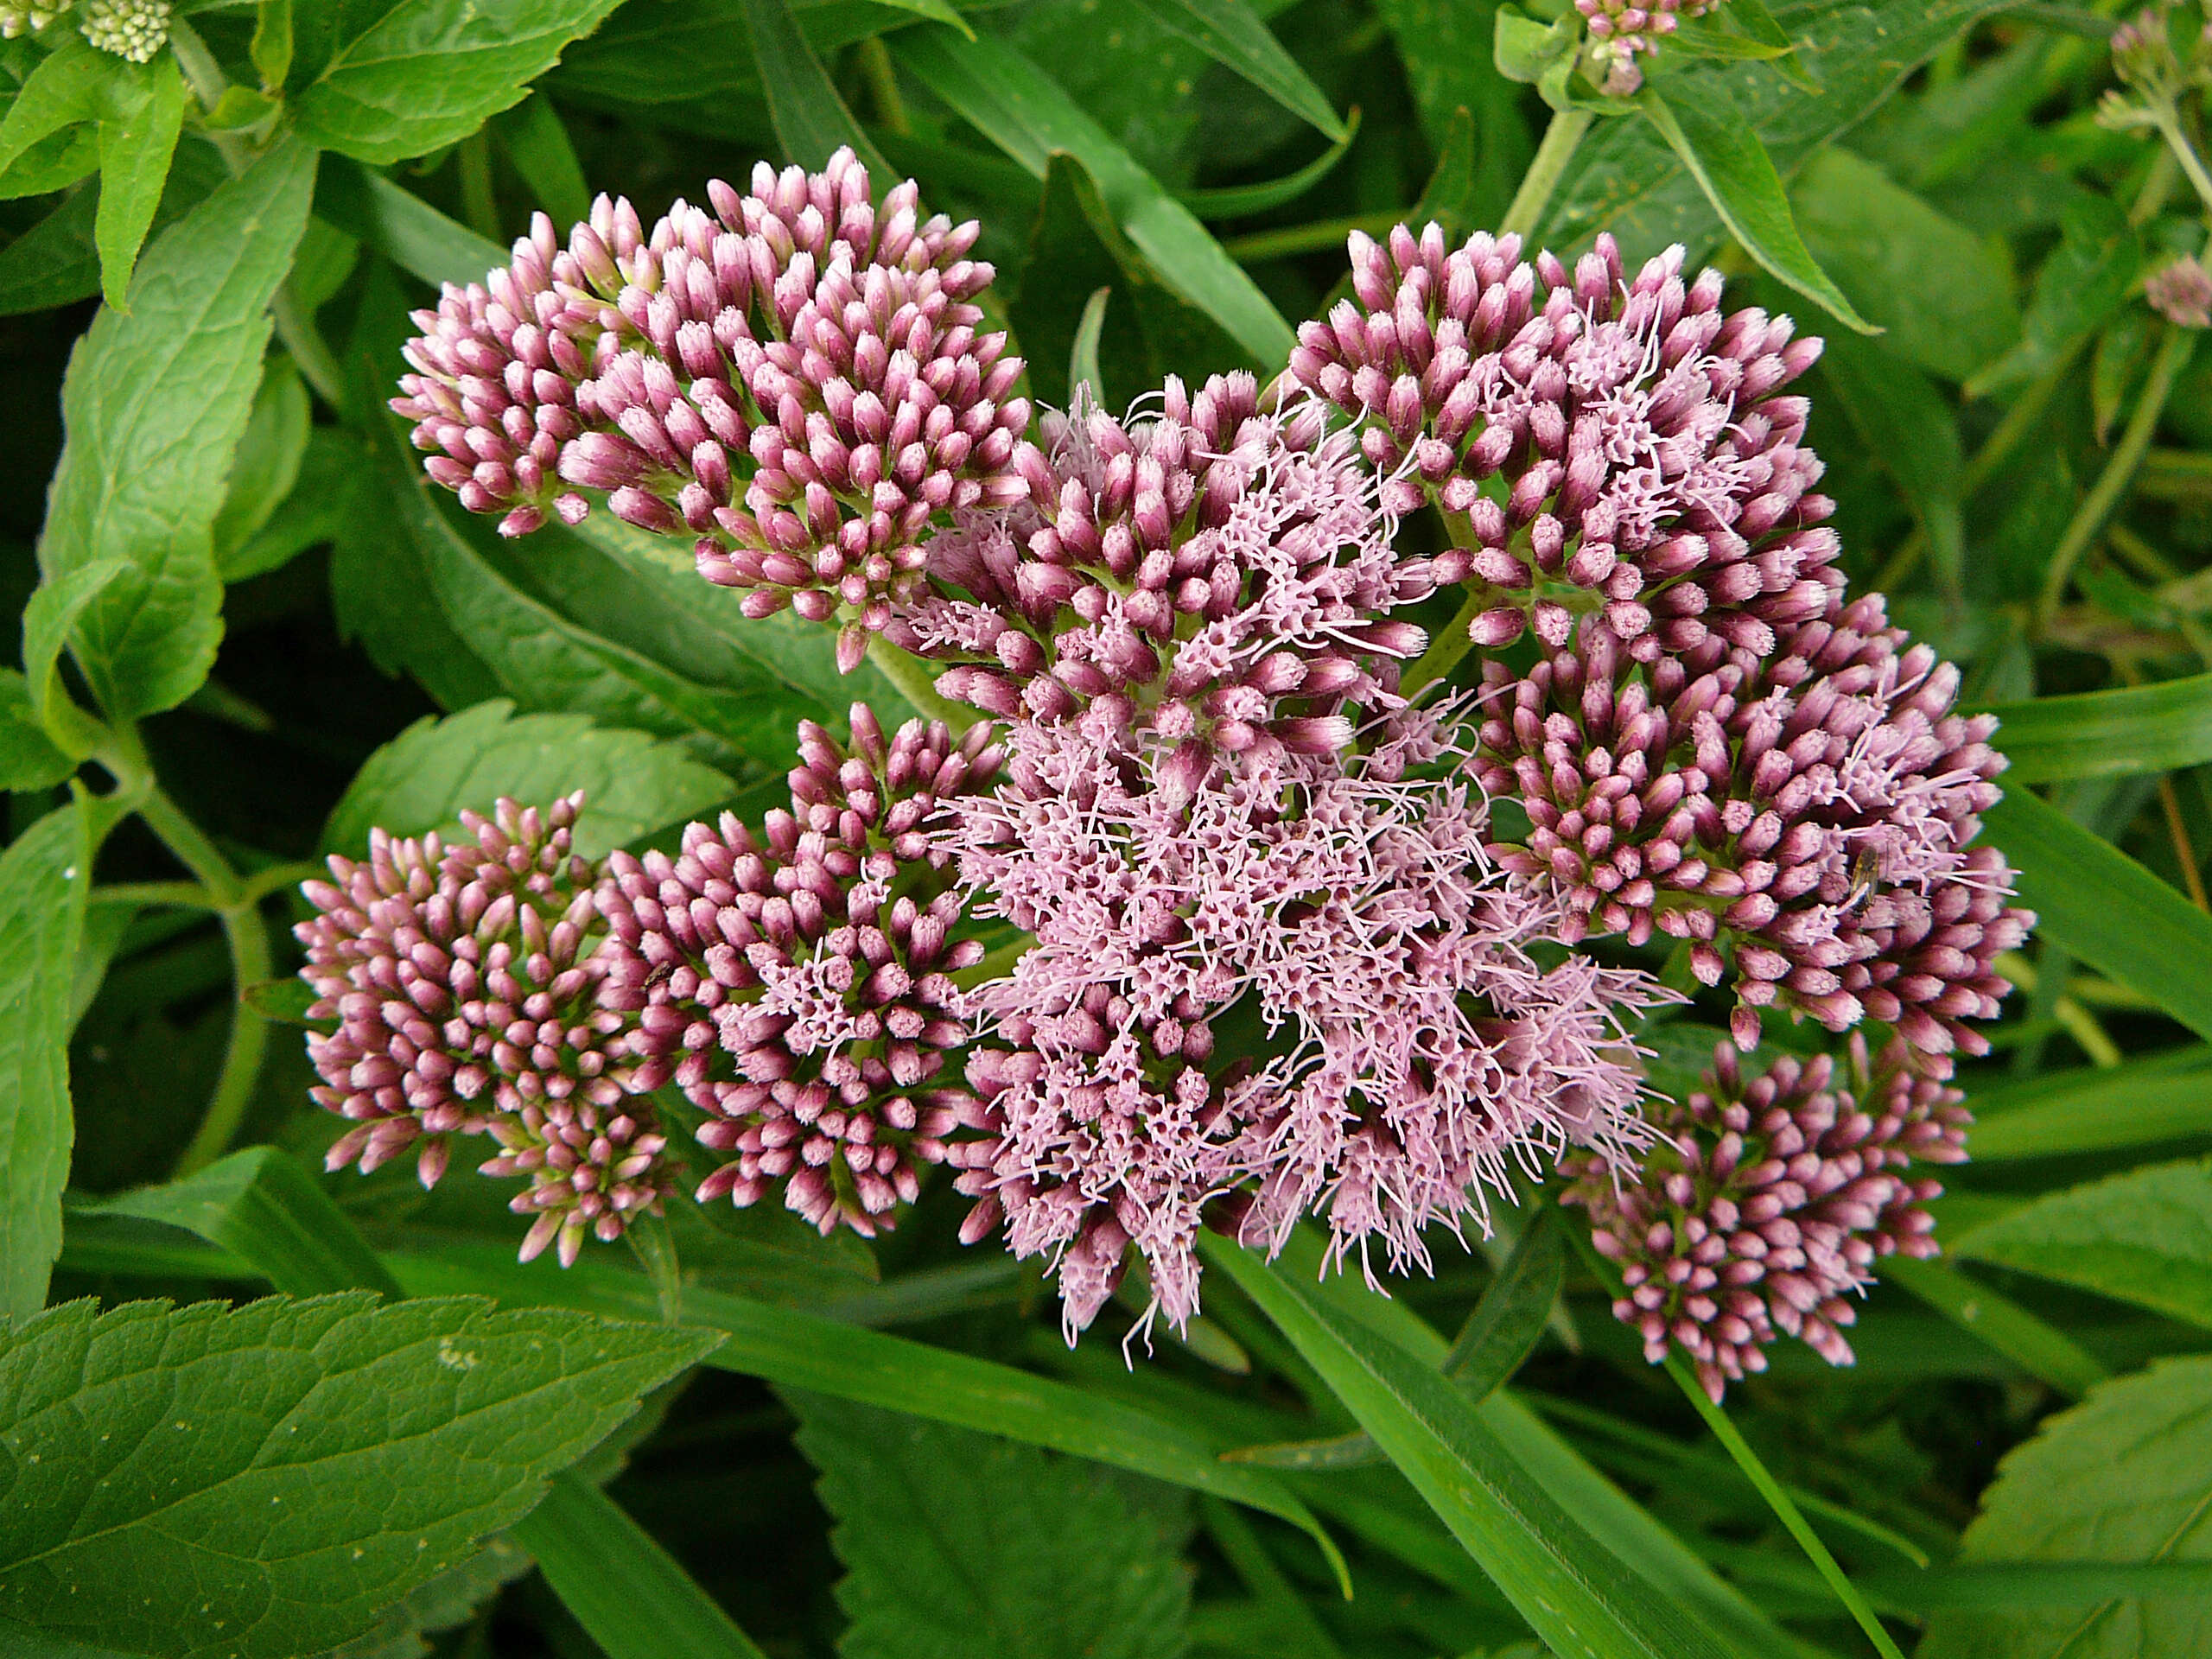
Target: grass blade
x,y
1229,33
2115,734
812,121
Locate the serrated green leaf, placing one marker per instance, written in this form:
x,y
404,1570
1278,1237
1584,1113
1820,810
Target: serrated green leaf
x,y
1738,178
55,162
812,120
796,1350
956,1543
2122,1478
317,508
1017,106
1569,1588
426,72
138,136
154,404
1881,243
2127,731
633,783
262,1481
2106,909
2145,1236
267,463
28,758
53,611
260,1205
56,262
68,87
1626,179
1229,33
439,1604
271,47
44,876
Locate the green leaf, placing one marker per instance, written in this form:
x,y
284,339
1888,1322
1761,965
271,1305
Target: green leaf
x,y
2106,909
56,261
1570,1588
956,1543
1881,243
1230,34
2123,1478
538,145
404,228
68,87
2145,1236
1733,167
156,403
317,509
262,1481
812,120
2037,1346
632,1599
633,783
1237,201
271,48
52,613
1909,423
268,461
1446,48
2096,1108
2122,732
137,137
260,1205
1083,356
1628,180
44,876
800,1351
55,162
426,72
2083,283
1013,103
28,758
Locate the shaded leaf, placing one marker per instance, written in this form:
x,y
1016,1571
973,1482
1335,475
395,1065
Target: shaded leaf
x,y
956,1543
2139,1103
633,783
2130,730
812,120
267,464
1229,33
2145,1236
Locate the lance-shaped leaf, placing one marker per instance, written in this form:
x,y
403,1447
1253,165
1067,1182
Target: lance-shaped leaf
x,y
1230,33
137,137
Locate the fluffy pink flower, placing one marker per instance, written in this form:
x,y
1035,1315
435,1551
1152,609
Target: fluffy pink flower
x,y
1767,1201
466,982
797,987
1816,809
1340,905
798,379
1651,470
1218,576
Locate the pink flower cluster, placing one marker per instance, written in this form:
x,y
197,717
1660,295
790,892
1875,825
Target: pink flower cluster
x,y
1343,906
1767,1200
798,379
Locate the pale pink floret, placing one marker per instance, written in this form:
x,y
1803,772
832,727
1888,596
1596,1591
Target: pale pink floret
x,y
1419,1049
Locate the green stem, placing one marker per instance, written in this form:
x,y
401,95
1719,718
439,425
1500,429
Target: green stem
x,y
2169,128
479,206
1560,140
2104,496
1783,1506
318,366
247,935
1309,238
1445,650
882,78
914,681
176,895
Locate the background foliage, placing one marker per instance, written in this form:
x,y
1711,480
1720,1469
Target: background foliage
x,y
248,633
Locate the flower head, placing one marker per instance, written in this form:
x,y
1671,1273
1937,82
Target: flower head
x,y
464,981
1653,471
2181,292
797,986
1622,30
19,19
1343,906
796,378
1767,1200
132,29
1220,576
1815,809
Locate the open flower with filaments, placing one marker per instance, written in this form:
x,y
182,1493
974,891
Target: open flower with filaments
x,y
1346,908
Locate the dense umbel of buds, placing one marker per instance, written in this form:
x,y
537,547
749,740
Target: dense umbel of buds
x,y
796,378
797,986
1622,30
1416,1045
465,982
1651,470
132,29
1218,576
1767,1201
1813,810
2181,292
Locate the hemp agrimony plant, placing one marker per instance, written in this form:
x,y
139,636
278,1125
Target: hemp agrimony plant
x,y
970,698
